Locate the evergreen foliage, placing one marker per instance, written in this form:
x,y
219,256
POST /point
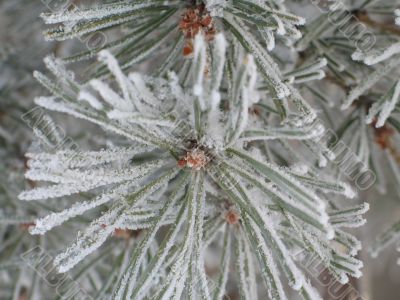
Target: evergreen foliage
x,y
195,149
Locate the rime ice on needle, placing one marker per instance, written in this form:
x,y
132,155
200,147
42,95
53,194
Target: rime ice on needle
x,y
377,56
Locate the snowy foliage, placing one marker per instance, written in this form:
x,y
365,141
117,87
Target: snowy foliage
x,y
196,149
175,35
161,180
